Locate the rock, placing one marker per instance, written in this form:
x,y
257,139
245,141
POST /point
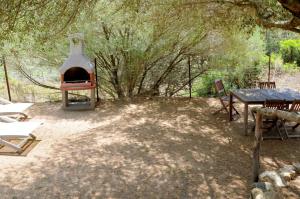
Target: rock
x,y
263,190
297,167
271,195
265,186
272,177
290,167
288,172
257,193
295,183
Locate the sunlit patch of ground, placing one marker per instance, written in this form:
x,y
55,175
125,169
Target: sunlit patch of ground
x,y
161,148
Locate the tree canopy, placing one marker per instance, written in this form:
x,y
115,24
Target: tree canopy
x,y
142,46
43,18
50,18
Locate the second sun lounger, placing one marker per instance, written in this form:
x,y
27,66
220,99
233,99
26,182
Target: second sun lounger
x,y
17,130
14,109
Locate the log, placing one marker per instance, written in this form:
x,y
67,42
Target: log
x,y
289,116
260,113
257,145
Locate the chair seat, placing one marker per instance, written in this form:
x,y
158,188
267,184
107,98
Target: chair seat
x,y
227,99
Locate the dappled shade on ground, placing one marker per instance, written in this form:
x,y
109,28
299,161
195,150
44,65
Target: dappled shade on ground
x,y
162,148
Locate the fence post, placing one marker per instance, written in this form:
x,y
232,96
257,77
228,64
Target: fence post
x,y
190,81
6,78
96,73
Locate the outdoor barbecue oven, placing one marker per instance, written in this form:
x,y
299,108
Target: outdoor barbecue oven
x,y
77,73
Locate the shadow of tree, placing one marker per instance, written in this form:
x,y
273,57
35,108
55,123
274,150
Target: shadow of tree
x,y
154,149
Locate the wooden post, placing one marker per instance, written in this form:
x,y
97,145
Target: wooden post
x,y
257,145
97,92
246,107
65,99
269,72
6,78
92,102
190,81
230,106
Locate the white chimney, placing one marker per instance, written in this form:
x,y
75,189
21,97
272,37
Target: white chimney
x,y
77,57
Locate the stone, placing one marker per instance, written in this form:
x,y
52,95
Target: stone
x,y
288,172
295,183
263,190
257,193
297,167
271,195
272,177
290,167
265,186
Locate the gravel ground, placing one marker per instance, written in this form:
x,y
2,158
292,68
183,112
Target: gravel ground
x,y
160,148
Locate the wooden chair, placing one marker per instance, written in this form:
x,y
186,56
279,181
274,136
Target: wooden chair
x,y
267,85
296,109
274,104
271,122
223,97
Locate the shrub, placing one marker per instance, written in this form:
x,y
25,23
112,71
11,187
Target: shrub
x,y
290,51
240,77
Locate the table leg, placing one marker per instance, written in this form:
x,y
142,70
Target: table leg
x,y
230,106
246,118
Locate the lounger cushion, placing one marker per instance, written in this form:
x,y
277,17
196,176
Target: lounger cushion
x,y
17,129
17,107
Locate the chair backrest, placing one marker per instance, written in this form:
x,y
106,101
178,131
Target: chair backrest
x,y
219,86
295,106
266,85
276,104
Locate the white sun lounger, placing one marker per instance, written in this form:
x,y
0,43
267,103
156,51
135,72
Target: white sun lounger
x,y
17,130
14,109
4,101
7,119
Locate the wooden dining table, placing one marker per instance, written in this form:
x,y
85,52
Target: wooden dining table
x,y
258,97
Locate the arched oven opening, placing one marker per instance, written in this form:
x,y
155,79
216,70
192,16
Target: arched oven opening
x,y
76,75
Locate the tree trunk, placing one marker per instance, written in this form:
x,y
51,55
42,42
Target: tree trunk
x,y
116,84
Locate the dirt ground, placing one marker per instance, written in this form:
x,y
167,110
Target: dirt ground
x,y
161,148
